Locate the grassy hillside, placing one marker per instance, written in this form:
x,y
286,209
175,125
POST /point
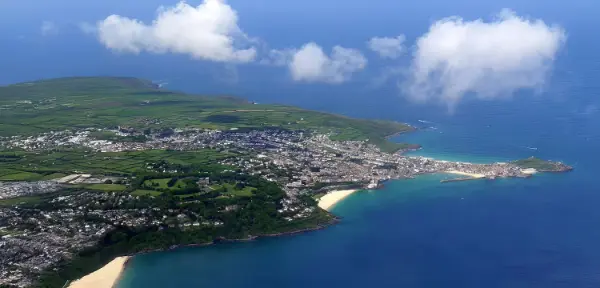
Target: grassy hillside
x,y
542,165
58,104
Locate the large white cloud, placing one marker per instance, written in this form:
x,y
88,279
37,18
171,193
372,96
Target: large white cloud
x,y
489,59
208,31
311,64
387,47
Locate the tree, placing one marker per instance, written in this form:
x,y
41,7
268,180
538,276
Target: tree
x,y
172,182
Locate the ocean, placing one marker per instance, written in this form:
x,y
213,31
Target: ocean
x,y
538,232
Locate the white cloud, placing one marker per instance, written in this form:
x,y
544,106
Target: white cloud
x,y
207,32
49,28
488,59
311,64
387,47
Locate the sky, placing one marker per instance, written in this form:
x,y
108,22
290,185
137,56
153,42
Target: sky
x,y
433,51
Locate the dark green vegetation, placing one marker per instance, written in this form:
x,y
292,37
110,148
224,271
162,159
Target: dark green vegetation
x,y
542,165
102,102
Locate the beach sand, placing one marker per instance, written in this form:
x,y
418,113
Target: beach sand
x,y
529,171
104,277
330,199
473,175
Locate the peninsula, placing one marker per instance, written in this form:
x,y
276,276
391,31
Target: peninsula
x,y
97,168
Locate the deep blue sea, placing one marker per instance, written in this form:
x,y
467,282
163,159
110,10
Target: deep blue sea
x,y
539,232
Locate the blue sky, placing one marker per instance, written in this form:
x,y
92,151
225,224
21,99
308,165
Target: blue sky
x,y
278,25
316,17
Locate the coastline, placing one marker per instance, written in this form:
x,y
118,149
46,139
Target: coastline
x,y
110,274
330,199
104,277
410,130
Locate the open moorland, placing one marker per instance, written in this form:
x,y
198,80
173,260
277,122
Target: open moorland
x,y
58,104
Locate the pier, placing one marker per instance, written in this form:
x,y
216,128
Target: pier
x,y
459,179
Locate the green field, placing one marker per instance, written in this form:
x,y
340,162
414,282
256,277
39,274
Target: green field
x,y
536,163
183,197
58,104
232,190
105,187
21,176
30,166
161,183
20,200
145,193
54,176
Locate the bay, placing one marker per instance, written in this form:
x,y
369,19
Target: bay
x,y
539,232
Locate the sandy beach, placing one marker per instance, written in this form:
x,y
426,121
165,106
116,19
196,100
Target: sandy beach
x,y
330,199
104,277
529,171
473,175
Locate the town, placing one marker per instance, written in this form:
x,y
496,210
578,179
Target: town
x,y
35,238
308,159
